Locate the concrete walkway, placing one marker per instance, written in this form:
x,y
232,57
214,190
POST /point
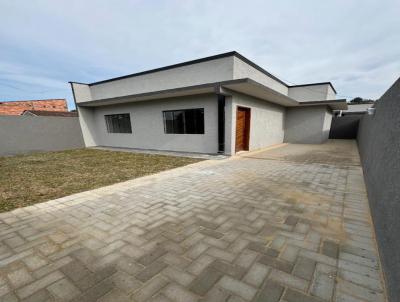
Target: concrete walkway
x,y
286,224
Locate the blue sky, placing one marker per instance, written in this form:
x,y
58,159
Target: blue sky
x,y
44,44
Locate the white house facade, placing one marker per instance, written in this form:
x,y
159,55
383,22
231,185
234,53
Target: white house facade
x,y
219,104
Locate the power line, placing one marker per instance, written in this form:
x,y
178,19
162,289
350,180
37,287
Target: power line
x,y
31,91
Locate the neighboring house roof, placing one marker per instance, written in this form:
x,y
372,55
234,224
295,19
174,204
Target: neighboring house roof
x,y
18,107
50,113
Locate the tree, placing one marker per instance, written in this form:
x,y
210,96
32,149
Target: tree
x,y
359,100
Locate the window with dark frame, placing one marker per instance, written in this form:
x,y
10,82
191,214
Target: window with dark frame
x,y
118,123
188,121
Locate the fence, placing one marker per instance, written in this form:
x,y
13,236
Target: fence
x,y
379,147
24,134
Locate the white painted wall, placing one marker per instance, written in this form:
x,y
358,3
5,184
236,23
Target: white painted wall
x,y
189,75
331,93
148,126
243,70
266,124
326,127
82,94
310,93
307,125
88,125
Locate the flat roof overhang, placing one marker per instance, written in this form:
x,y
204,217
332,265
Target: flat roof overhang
x,y
245,86
339,104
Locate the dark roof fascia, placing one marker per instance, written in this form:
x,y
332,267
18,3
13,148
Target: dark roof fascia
x,y
322,102
314,84
72,82
210,58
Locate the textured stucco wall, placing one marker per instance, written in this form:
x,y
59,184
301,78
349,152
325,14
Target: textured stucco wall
x,y
311,93
189,75
307,125
148,125
331,93
24,134
266,124
88,125
379,147
326,126
243,70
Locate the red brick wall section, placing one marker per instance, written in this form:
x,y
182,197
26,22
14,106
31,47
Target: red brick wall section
x,y
18,107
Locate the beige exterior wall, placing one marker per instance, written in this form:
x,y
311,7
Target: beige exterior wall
x,y
331,93
148,125
243,70
326,127
189,75
266,124
307,125
312,93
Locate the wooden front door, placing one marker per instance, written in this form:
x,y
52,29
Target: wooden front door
x,y
242,129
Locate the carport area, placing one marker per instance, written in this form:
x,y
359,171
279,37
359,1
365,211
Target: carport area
x,y
285,224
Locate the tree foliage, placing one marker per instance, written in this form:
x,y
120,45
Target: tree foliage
x,y
360,100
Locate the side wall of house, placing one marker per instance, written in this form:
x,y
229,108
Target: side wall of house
x,y
307,125
189,75
266,124
82,93
148,125
311,93
244,70
326,127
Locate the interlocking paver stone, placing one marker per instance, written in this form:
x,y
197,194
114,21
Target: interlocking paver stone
x,y
237,287
289,223
205,281
304,268
270,292
63,290
151,270
20,277
330,248
295,296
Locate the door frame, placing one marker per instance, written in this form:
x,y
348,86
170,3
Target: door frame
x,y
246,125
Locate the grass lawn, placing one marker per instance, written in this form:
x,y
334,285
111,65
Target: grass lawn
x,y
29,179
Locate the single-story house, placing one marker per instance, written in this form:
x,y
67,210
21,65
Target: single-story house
x,y
218,104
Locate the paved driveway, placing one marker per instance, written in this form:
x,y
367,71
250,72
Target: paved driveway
x,y
287,224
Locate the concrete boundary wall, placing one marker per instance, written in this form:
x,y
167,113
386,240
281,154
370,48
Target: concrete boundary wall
x,y
344,127
25,134
379,147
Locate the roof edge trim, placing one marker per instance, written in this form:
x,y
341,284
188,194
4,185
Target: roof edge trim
x,y
191,62
314,84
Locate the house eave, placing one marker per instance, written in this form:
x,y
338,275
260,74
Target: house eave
x,y
339,104
245,86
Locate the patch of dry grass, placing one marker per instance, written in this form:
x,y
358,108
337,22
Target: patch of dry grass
x,y
29,179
